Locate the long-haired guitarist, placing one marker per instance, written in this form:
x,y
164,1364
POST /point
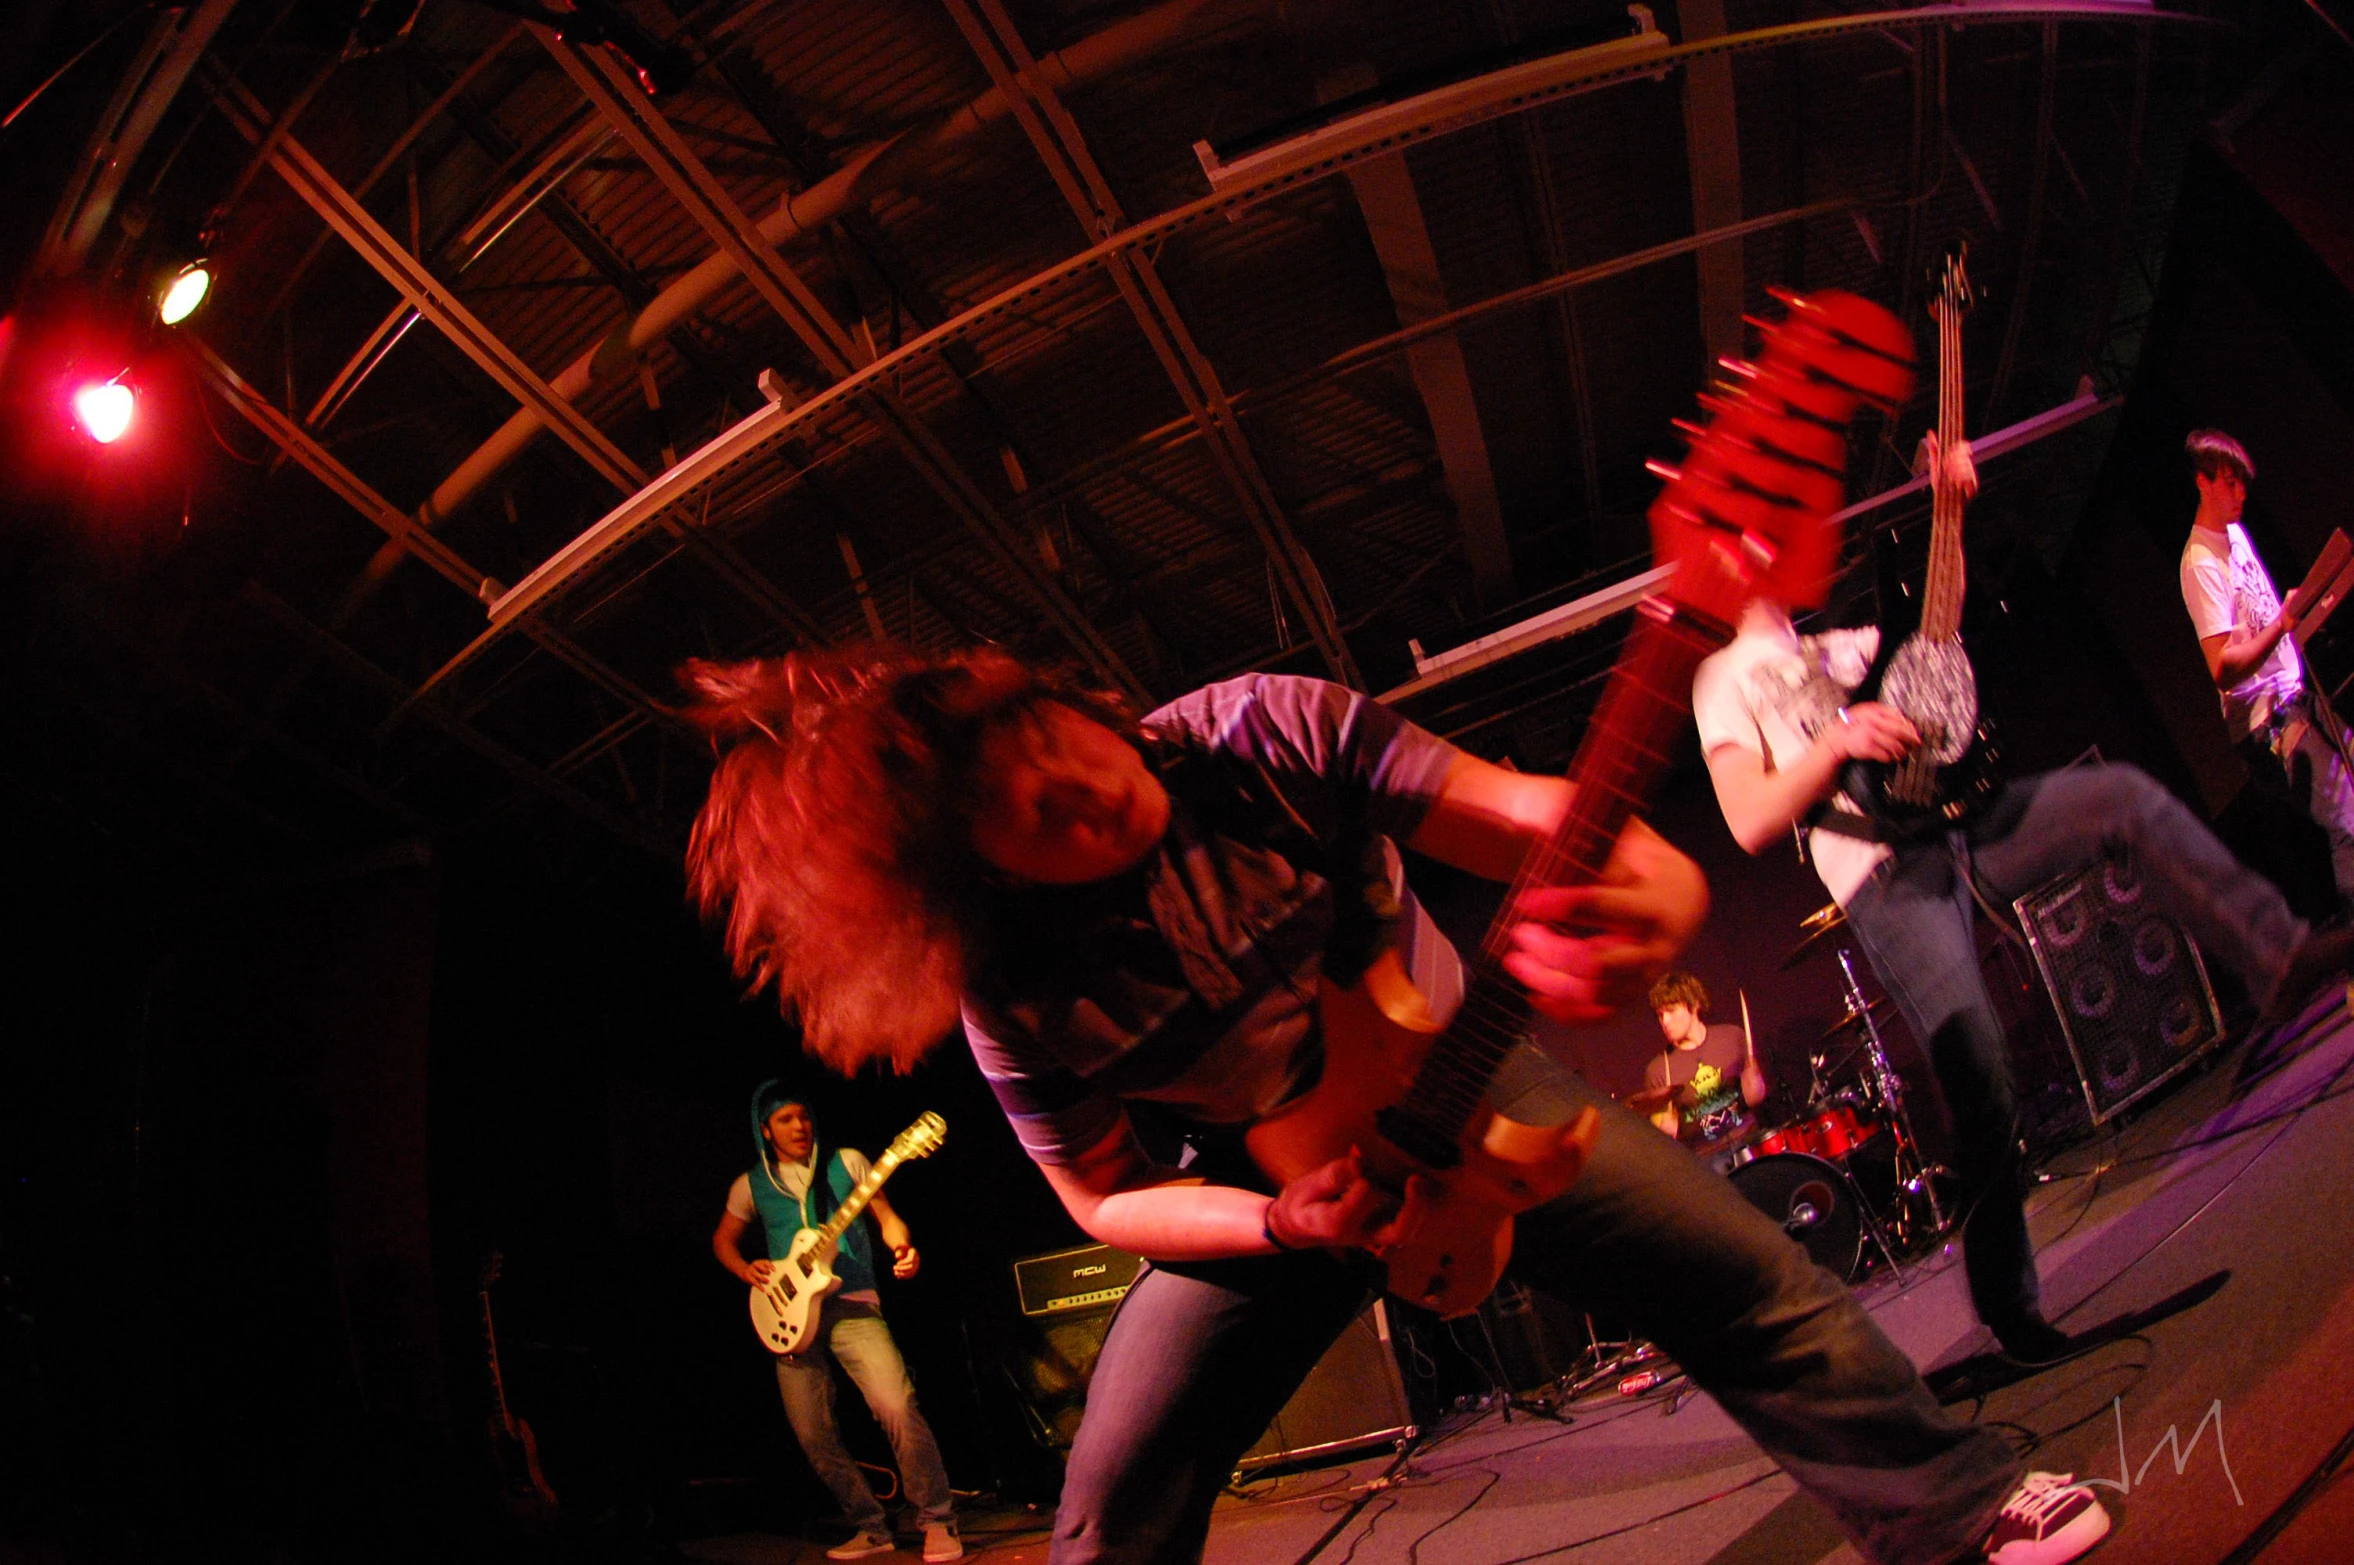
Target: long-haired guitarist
x,y
2243,630
1133,911
1779,727
789,1188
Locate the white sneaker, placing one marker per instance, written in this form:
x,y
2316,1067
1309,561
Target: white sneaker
x,y
2048,1520
941,1544
862,1543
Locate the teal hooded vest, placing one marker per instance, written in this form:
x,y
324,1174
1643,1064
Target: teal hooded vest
x,y
784,1215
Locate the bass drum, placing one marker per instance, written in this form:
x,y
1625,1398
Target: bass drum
x,y
1814,1204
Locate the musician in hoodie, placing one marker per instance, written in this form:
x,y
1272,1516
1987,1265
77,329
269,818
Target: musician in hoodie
x,y
782,1194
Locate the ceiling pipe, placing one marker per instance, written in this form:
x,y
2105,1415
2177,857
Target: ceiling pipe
x,y
866,173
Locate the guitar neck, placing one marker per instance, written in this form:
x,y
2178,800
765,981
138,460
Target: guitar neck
x,y
1941,595
855,1202
1627,747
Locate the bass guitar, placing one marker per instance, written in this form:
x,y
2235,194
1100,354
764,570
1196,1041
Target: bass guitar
x,y
1747,512
529,1499
785,1307
1927,676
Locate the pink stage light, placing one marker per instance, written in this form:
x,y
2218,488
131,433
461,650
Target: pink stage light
x,y
104,407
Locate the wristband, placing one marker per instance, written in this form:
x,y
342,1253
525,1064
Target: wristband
x,y
1267,1227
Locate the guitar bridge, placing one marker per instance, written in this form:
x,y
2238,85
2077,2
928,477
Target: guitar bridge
x,y
1418,1139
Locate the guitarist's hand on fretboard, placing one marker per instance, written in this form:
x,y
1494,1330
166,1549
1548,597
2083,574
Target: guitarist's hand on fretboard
x,y
1645,909
1958,474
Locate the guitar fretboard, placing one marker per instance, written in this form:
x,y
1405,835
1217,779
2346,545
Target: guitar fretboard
x,y
1627,747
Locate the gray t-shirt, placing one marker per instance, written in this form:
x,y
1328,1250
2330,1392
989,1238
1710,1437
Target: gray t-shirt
x,y
1191,980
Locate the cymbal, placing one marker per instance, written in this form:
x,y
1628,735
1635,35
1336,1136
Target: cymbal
x,y
1877,1010
1819,926
1649,1100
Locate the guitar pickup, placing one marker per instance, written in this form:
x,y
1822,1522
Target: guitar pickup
x,y
1418,1140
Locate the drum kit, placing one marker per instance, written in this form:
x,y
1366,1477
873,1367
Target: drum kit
x,y
1847,1179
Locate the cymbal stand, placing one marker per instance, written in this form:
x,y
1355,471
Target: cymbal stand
x,y
1914,1174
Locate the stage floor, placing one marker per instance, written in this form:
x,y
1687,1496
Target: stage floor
x,y
2243,1171
2215,1432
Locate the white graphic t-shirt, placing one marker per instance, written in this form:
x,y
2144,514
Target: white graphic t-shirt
x,y
2228,592
1772,694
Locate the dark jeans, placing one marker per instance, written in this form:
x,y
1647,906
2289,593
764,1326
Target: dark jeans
x,y
1202,1356
1913,918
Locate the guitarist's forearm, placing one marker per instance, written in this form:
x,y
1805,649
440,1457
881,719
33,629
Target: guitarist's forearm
x,y
1181,1222
1759,806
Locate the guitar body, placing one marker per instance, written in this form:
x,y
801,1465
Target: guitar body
x,y
785,1308
1376,1037
1956,772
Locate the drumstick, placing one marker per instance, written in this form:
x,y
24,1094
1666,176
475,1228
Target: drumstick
x,y
1748,1042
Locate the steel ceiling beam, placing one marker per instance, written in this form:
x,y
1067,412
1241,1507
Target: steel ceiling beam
x,y
355,491
865,173
776,424
1056,138
174,44
2023,275
666,154
1240,187
297,442
1712,154
1392,210
410,277
676,165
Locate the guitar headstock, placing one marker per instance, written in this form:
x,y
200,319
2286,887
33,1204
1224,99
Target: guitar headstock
x,y
1748,512
920,1139
1954,298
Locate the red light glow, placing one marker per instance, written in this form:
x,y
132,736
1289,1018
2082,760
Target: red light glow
x,y
104,407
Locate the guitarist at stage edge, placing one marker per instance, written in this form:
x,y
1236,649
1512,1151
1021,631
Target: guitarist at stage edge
x,y
781,1195
1778,729
1142,909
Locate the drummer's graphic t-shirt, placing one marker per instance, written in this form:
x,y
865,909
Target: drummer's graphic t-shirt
x,y
1708,1082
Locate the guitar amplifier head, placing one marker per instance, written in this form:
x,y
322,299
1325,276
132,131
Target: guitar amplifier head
x,y
1064,1280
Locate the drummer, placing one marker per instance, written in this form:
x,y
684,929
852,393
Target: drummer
x,y
1710,1073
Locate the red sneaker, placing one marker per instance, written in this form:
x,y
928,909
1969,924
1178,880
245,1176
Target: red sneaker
x,y
2048,1520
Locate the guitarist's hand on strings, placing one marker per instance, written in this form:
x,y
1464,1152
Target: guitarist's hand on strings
x,y
1337,1207
1870,731
1957,473
757,1273
1583,951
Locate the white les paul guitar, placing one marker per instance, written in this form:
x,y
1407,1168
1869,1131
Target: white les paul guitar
x,y
784,1308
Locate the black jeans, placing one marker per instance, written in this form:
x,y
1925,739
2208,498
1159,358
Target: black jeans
x,y
1913,919
1202,1356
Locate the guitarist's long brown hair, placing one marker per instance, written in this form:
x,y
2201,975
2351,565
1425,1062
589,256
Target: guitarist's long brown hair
x,y
833,843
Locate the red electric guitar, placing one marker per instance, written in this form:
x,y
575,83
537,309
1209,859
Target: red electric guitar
x,y
1748,513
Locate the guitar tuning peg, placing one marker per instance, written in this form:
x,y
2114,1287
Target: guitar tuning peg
x,y
1662,470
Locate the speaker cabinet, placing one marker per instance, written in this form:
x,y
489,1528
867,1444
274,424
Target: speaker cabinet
x,y
1051,1369
1353,1398
2127,984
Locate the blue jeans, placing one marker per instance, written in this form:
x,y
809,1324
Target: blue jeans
x,y
1913,919
855,1336
1202,1355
